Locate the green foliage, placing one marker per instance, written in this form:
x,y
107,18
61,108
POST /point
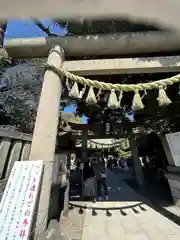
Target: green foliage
x,y
20,88
84,27
71,118
4,59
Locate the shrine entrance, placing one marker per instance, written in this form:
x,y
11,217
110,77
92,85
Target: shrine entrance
x,y
111,109
127,89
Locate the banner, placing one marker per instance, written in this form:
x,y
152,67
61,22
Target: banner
x,y
17,206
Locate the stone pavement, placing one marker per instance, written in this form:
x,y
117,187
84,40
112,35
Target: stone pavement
x,y
129,217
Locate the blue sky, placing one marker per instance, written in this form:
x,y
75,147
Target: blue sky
x,y
27,29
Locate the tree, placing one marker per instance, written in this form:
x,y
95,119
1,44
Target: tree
x,y
4,59
20,87
20,91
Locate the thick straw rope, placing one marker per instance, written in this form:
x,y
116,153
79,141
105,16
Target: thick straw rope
x,y
117,87
116,143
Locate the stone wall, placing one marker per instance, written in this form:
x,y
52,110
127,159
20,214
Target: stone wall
x,y
174,183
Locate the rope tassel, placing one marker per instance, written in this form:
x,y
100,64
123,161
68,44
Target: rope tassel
x,y
163,99
113,101
74,92
137,103
67,84
120,98
91,98
82,92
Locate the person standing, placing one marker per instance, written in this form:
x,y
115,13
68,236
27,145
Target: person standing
x,y
130,164
89,182
115,162
109,164
100,174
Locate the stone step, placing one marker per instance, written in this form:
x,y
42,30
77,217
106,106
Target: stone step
x,y
71,227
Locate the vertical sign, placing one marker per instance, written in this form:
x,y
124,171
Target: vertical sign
x,y
173,140
17,206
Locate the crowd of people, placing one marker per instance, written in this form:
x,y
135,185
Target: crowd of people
x,y
94,175
120,163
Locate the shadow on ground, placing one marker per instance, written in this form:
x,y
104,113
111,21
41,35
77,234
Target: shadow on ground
x,y
156,197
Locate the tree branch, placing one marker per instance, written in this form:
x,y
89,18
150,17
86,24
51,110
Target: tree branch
x,y
3,26
44,29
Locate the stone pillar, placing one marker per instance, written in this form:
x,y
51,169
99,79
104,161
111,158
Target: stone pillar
x,y
45,133
136,161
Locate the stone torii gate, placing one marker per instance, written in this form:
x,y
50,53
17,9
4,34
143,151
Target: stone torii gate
x,y
46,126
46,130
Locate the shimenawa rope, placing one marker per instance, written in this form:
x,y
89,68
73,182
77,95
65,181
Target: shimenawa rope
x,y
114,101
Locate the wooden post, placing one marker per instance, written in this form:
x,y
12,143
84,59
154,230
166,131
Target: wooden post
x,y
66,200
67,187
84,157
84,145
45,133
136,161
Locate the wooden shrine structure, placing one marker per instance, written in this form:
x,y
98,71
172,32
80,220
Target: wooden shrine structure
x,y
109,56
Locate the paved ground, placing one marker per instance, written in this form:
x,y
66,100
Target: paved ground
x,y
125,216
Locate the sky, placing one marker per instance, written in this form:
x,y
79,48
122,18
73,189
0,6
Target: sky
x,y
28,29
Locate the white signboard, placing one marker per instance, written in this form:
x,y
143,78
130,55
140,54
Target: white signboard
x,y
173,140
18,203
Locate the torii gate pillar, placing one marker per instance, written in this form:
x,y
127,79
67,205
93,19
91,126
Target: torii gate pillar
x,y
136,162
45,132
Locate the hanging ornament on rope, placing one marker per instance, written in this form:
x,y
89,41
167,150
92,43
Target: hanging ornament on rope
x,y
113,101
163,99
99,94
116,90
74,92
67,84
137,103
91,98
144,94
81,93
120,98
